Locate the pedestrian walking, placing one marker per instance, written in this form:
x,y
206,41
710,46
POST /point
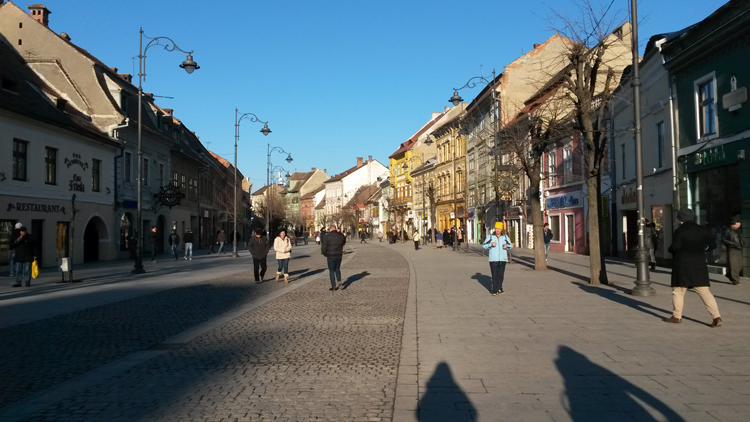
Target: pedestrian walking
x,y
153,240
439,239
548,235
174,242
498,245
459,236
649,241
283,247
446,238
416,237
189,239
332,248
362,236
12,256
26,253
380,236
689,268
732,240
259,247
221,239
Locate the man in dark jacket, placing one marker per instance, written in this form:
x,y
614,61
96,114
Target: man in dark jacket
x,y
12,255
258,247
332,247
548,236
153,240
734,243
174,242
689,269
26,253
189,239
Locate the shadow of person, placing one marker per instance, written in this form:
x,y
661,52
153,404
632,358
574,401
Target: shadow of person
x,y
483,279
444,400
593,393
353,278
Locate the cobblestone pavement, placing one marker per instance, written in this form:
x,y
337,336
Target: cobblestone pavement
x,y
309,354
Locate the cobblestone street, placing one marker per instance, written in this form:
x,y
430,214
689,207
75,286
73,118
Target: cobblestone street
x,y
309,354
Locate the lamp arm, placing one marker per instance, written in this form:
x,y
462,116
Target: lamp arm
x,y
254,118
469,84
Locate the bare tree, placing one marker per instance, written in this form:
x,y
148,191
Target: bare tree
x,y
597,56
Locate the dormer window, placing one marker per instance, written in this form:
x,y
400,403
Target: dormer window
x,y
124,101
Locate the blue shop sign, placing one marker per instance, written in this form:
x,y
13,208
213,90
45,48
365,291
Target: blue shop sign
x,y
570,200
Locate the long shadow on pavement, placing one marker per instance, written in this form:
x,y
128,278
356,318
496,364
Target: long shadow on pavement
x,y
444,400
593,393
484,280
353,278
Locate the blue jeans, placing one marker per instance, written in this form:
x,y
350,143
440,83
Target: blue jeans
x,y
546,250
153,252
189,250
23,272
283,266
174,252
12,262
334,269
498,274
221,247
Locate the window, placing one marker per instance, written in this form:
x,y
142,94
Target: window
x,y
568,163
19,159
50,166
145,171
706,108
128,165
161,174
660,144
552,168
96,169
182,185
554,225
622,159
174,178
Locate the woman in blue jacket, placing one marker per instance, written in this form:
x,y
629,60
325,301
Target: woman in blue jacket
x,y
497,244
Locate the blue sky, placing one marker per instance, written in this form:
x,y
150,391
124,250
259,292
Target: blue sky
x,y
335,79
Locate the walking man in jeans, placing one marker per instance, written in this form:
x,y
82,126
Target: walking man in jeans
x,y
259,247
547,238
189,239
498,245
174,242
332,247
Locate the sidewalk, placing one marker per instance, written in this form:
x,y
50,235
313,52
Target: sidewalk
x,y
553,348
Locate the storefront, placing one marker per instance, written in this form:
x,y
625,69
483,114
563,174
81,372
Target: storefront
x,y
566,219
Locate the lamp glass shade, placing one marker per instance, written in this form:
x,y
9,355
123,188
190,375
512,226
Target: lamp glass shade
x,y
456,99
265,131
289,159
189,65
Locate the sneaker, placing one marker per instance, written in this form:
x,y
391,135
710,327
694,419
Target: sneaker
x,y
185,258
501,291
673,320
11,275
494,293
332,289
717,322
17,285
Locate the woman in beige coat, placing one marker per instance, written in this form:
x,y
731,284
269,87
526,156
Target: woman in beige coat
x,y
283,248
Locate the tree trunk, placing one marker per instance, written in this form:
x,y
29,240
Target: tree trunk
x,y
592,187
540,263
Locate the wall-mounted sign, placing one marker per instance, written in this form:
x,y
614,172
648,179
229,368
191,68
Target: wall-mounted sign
x,y
169,196
31,207
710,156
568,200
734,99
76,160
76,184
629,196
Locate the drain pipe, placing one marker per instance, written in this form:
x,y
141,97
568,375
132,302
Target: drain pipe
x,y
117,157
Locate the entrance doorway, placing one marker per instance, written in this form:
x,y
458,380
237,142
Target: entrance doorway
x,y
570,232
91,243
37,233
630,236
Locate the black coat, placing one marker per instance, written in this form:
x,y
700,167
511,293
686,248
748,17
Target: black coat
x,y
689,245
189,237
258,247
25,248
333,244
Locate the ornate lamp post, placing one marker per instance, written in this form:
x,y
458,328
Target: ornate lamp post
x,y
289,159
495,117
190,66
265,131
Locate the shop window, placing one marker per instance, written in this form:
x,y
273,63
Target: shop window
x,y
717,197
50,166
554,225
20,159
660,158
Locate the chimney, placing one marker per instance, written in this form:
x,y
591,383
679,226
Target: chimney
x,y
369,159
359,161
313,169
126,76
536,45
63,35
40,13
447,109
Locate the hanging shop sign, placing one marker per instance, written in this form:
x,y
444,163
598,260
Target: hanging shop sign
x,y
169,196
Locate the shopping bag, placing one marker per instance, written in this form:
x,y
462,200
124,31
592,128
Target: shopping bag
x,y
34,269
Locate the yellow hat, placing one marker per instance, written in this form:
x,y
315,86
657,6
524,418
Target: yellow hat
x,y
499,225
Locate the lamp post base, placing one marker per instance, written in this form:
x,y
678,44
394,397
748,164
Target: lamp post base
x,y
642,282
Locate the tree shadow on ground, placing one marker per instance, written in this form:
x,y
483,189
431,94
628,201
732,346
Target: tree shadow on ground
x,y
351,279
593,393
484,280
444,400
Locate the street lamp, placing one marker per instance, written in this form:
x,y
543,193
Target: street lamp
x,y
190,66
265,131
495,117
289,159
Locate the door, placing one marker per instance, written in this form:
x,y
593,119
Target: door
x,y
570,232
91,243
631,233
38,235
